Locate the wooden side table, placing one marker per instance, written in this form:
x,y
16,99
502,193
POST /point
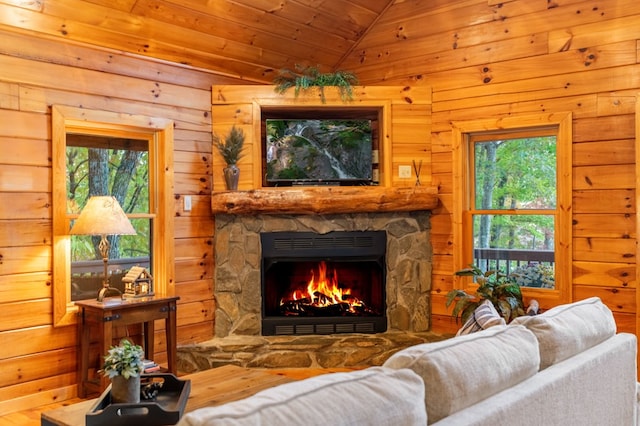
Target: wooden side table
x,y
102,317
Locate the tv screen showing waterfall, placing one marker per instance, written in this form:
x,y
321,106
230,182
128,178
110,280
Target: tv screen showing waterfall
x,y
318,151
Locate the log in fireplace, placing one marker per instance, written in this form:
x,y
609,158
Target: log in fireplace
x,y
323,283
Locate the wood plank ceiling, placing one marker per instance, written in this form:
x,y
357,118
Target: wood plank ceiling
x,y
250,39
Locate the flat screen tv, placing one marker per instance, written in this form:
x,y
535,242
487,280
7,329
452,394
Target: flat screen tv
x,y
318,151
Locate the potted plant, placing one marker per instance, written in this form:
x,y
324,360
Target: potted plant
x,y
123,364
230,149
500,289
306,78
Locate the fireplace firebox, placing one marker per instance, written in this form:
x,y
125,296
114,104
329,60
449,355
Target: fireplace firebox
x,y
323,283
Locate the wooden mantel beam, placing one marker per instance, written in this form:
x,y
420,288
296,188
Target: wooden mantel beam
x,y
325,200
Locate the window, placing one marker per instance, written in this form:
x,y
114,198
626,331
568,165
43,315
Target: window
x,y
106,137
512,202
100,165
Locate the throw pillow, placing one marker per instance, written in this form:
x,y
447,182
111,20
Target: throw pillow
x,y
374,396
462,371
566,330
483,317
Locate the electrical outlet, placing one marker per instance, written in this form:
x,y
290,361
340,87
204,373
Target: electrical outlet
x,y
187,203
404,171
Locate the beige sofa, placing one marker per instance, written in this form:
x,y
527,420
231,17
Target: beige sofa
x,y
564,367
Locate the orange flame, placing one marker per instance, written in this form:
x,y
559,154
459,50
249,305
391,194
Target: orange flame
x,y
323,289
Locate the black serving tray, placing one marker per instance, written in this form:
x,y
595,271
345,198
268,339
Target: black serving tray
x,y
165,409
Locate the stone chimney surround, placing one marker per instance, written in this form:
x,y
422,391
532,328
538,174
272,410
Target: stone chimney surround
x,y
237,287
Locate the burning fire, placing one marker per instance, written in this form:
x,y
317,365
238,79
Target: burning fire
x,y
323,291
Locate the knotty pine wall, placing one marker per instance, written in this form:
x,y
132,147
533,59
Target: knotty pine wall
x,y
482,58
491,59
37,360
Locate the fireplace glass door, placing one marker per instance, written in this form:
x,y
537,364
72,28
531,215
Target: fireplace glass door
x,y
323,283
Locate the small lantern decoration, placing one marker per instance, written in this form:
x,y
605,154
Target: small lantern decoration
x,y
138,282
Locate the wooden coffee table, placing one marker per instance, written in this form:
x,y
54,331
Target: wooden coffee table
x,y
208,388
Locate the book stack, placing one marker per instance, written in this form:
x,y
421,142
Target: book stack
x,y
150,366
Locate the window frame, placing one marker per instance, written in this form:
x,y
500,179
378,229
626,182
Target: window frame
x,y
159,133
517,126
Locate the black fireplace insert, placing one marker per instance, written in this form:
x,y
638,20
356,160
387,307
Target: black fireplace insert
x,y
323,283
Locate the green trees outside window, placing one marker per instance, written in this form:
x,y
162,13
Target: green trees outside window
x,y
108,166
512,214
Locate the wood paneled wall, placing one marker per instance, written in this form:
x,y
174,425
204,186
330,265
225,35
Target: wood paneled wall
x,y
490,59
37,360
482,59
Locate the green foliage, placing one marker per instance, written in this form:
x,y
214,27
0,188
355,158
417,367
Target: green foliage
x,y
292,172
304,148
298,141
276,129
521,173
518,174
500,289
124,360
123,174
534,275
231,148
306,78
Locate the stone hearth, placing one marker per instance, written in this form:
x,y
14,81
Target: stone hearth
x,y
337,350
238,304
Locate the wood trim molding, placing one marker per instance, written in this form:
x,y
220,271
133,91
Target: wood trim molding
x,y
637,190
461,130
325,200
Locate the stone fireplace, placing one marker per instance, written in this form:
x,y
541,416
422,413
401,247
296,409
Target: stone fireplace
x,y
238,265
241,219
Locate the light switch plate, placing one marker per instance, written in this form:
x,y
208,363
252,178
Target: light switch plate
x,y
404,171
187,203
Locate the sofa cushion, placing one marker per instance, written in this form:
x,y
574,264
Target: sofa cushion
x,y
461,371
375,395
483,317
566,330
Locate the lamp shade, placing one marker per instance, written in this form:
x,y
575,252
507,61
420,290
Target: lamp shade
x,y
102,216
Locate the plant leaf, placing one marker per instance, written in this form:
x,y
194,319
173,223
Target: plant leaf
x,y
308,77
453,294
468,311
499,288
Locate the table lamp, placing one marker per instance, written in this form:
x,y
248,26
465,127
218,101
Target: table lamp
x,y
103,216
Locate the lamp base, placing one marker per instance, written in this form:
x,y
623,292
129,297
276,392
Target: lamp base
x,y
105,290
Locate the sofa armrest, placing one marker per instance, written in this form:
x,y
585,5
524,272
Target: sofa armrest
x,y
637,404
597,386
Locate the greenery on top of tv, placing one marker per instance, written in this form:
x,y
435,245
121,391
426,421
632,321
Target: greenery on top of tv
x,y
305,78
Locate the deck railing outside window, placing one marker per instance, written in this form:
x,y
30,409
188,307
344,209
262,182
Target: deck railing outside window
x,y
516,261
